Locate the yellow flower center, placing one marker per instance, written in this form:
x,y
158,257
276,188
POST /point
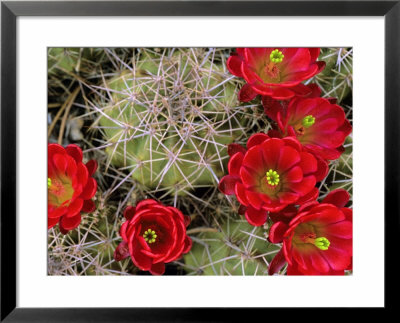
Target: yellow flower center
x,y
272,177
308,121
60,191
320,242
150,236
276,56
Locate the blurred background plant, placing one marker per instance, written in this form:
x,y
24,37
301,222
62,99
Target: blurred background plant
x,y
158,121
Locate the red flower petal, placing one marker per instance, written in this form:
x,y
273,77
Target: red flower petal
x,y
234,64
254,199
145,204
315,90
284,215
337,259
342,229
82,174
255,56
287,197
288,158
308,163
314,53
256,139
122,230
91,166
234,164
271,107
304,187
281,93
227,184
325,214
56,212
338,197
90,189
122,251
301,90
322,169
240,192
292,142
299,60
51,222
248,178
142,261
186,220
75,152
271,151
74,208
348,213
235,148
294,175
88,206
157,269
53,149
129,212
70,223
188,245
256,217
246,93
242,209
60,162
293,271
254,160
319,262
321,65
277,232
311,196
72,167
277,263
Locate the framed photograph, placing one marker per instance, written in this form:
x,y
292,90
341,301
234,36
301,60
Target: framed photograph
x,y
203,157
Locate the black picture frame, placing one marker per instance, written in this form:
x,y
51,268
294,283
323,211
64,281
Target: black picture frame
x,y
11,10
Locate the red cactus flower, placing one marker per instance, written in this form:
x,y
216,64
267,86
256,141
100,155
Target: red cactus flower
x,y
274,72
70,186
270,175
320,126
318,240
153,234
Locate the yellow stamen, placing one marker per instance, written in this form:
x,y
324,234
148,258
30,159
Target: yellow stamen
x,y
308,121
150,236
276,56
272,177
322,243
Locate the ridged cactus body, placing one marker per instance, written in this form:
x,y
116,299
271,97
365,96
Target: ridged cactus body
x,y
170,116
236,249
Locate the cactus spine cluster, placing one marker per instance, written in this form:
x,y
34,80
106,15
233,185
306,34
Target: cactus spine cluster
x,y
168,118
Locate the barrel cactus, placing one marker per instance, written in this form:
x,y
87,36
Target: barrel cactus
x,y
168,117
235,248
